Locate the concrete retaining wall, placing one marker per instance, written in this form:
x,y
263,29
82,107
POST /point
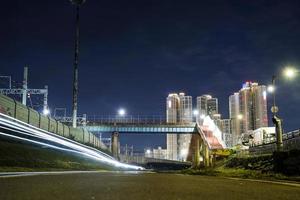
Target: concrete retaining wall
x,y
15,109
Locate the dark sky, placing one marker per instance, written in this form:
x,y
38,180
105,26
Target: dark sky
x,y
133,53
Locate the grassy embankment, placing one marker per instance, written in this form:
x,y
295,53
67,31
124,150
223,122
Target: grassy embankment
x,y
15,156
283,166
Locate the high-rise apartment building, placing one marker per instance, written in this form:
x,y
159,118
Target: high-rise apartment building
x,y
202,104
207,105
179,110
248,109
172,117
217,120
185,108
212,106
185,116
260,107
226,131
235,117
253,106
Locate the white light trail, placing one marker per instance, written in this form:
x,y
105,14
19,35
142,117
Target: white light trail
x,y
75,147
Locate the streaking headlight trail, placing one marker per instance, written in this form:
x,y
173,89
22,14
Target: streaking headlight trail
x,y
13,128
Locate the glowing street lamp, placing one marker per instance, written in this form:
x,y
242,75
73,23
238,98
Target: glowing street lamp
x,y
195,112
271,88
46,111
239,116
290,72
121,112
148,151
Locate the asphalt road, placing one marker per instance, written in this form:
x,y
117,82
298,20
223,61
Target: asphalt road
x,y
138,186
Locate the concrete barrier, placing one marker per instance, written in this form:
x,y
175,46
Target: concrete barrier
x,y
10,107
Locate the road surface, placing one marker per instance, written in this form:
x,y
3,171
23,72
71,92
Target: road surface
x,y
138,186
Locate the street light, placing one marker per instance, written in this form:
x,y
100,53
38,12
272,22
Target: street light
x,y
290,72
271,88
46,111
275,119
77,3
239,116
148,151
195,113
121,112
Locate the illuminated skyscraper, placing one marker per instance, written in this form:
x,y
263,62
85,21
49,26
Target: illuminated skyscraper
x,y
207,105
235,117
260,107
179,110
248,109
253,106
212,106
185,108
172,117
185,116
226,131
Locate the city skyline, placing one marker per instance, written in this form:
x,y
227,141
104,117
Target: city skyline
x,y
133,56
150,99
206,105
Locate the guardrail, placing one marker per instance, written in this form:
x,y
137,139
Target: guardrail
x,y
291,134
291,140
285,136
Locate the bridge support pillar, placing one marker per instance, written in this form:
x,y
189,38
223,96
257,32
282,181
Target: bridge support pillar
x,y
206,156
196,159
115,145
211,160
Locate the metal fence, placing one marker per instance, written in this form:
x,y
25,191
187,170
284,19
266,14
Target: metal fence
x,y
288,144
285,136
92,120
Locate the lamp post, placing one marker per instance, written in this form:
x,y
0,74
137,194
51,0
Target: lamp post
x,y
290,73
275,119
77,3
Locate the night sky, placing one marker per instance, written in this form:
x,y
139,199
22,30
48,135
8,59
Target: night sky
x,y
133,53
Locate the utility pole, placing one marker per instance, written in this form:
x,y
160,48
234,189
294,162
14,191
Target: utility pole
x,y
77,3
25,81
24,91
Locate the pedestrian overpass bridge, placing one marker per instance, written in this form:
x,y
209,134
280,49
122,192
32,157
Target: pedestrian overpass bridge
x,y
157,125
206,137
138,125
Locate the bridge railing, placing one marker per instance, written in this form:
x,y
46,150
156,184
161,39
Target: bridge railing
x,y
129,120
286,136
